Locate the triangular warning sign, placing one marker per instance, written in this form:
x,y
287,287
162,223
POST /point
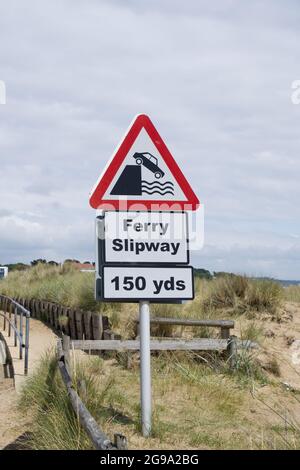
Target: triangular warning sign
x,y
143,171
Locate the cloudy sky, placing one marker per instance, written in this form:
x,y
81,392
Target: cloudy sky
x,y
215,77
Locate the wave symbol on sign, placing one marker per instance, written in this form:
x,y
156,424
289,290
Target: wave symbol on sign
x,y
157,187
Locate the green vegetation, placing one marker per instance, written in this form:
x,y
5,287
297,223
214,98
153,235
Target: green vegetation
x,y
195,405
242,294
35,262
248,369
264,295
16,267
114,402
292,293
252,331
202,273
198,401
225,296
55,424
65,285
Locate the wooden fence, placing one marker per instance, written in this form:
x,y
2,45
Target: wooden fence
x,y
98,438
91,331
227,344
76,323
224,325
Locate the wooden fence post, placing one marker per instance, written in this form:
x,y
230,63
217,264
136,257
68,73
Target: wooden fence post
x,y
59,349
51,315
66,350
120,441
65,323
55,316
78,323
87,321
46,312
105,323
72,324
128,360
232,351
30,307
225,333
97,326
82,390
37,308
59,315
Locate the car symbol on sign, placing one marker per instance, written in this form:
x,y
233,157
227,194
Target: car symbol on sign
x,y
150,162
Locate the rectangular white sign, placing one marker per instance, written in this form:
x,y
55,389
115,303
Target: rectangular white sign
x,y
147,283
145,237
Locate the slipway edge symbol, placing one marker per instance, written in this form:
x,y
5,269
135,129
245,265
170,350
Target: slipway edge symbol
x,y
142,170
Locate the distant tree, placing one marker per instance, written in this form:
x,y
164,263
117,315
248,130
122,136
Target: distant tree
x,y
38,261
87,262
17,266
222,273
203,273
53,263
69,260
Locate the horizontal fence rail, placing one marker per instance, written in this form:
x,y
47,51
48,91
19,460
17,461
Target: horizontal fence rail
x,y
191,322
224,325
13,315
201,344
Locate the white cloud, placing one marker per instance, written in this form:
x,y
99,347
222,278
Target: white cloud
x,y
216,79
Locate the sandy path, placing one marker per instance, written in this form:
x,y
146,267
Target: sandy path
x,y
281,341
12,423
284,344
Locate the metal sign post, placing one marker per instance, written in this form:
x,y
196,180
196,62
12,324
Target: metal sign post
x,y
145,367
142,234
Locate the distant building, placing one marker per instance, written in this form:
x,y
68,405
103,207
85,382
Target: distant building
x,y
3,272
84,267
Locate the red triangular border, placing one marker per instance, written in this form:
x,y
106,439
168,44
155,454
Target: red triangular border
x,y
142,121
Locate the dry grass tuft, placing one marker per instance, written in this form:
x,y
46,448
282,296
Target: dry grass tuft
x,y
55,425
225,296
292,293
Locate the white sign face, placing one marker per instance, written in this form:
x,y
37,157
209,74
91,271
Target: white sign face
x,y
147,283
145,237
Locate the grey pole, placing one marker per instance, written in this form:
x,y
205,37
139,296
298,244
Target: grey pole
x,y
9,316
4,319
26,344
145,364
21,335
16,325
